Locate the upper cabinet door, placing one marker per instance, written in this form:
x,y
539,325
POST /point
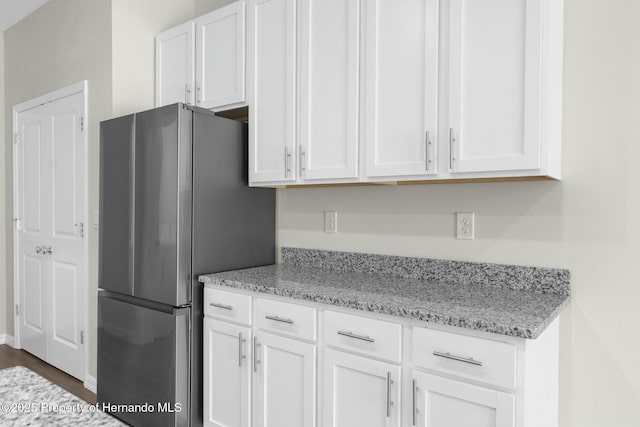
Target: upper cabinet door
x,y
328,88
401,87
220,57
494,85
174,65
271,90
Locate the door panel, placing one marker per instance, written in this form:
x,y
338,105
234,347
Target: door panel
x,y
33,197
51,245
355,391
284,386
174,65
329,73
136,342
162,183
227,374
495,55
401,87
442,402
220,62
116,205
271,88
65,176
31,171
32,332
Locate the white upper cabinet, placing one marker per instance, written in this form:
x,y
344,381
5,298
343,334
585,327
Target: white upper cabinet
x,y
174,65
495,60
220,56
328,76
346,91
271,90
202,62
401,87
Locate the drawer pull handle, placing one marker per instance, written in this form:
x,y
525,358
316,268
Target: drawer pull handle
x,y
358,337
414,397
241,356
389,402
279,319
448,355
222,306
255,354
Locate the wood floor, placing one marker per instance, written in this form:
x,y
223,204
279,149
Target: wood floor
x,y
10,357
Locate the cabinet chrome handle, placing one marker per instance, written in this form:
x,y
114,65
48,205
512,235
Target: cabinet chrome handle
x,y
38,249
198,91
287,162
279,319
427,158
414,399
448,355
222,306
46,250
452,140
255,354
241,341
356,336
187,93
301,160
389,403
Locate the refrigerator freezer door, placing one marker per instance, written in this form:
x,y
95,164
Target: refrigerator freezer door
x,y
163,205
143,361
116,204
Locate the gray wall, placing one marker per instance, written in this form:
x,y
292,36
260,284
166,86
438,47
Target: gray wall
x,y
587,222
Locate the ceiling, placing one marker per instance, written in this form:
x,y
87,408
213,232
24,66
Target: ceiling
x,y
12,11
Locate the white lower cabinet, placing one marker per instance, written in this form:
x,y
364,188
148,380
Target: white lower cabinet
x,y
227,374
272,362
359,391
443,402
284,382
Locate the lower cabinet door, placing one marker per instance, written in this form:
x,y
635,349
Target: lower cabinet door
x,y
227,374
442,402
359,391
284,382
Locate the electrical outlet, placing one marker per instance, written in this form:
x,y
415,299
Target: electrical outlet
x,y
330,222
465,225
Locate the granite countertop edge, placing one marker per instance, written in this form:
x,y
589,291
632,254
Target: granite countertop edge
x,y
514,330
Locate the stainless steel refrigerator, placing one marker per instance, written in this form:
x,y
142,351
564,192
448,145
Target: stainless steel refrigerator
x,y
174,204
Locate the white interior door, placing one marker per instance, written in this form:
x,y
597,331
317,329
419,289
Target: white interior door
x,y
51,207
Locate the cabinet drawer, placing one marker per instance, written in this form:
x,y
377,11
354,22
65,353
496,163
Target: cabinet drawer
x,y
286,318
377,338
488,361
227,305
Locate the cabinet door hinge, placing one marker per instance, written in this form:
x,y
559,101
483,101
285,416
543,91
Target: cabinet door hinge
x,y
17,310
16,138
81,337
82,123
18,224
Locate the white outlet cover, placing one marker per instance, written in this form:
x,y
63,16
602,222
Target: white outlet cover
x,y
330,222
465,225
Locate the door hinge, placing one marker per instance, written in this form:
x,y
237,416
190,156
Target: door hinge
x,y
17,310
81,337
18,224
81,226
16,138
82,123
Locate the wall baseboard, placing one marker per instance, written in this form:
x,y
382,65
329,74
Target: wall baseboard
x,y
91,384
7,339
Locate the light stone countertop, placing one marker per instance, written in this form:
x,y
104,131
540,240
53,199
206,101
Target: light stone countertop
x,y
514,307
